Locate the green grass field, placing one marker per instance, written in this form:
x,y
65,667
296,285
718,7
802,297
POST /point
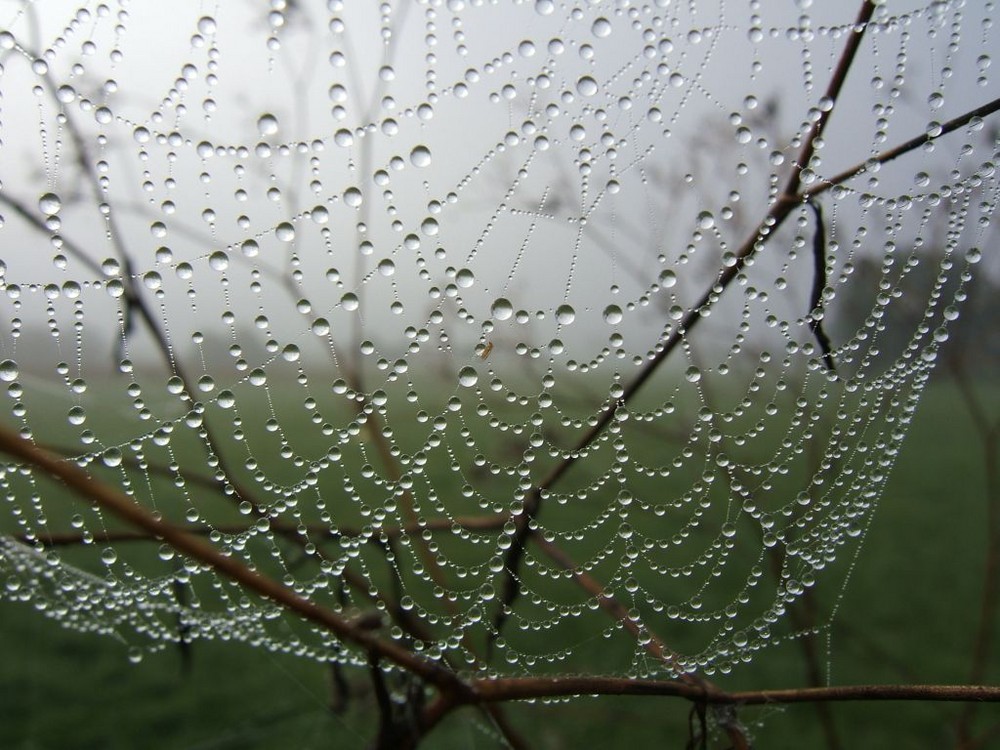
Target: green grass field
x,y
908,615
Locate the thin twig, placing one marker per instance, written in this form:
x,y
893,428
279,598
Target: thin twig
x,y
776,214
131,512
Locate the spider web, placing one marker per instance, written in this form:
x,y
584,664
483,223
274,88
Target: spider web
x,y
340,288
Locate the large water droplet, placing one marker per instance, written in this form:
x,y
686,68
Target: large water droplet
x,y
465,278
565,314
502,309
218,261
420,156
267,124
601,27
9,370
586,86
206,25
112,457
49,204
353,197
468,376
343,138
613,315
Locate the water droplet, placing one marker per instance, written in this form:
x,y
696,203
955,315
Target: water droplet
x,y
468,376
586,86
430,226
206,25
706,220
250,248
420,156
9,370
601,27
386,267
267,124
343,138
112,457
565,314
353,197
692,374
284,232
544,7
218,261
465,278
350,302
613,315
49,204
502,309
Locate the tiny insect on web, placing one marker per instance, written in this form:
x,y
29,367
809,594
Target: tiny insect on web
x,y
487,350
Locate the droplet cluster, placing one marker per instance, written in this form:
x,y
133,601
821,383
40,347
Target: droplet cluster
x,y
341,287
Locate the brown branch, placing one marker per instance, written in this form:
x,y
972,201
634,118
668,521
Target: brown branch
x,y
775,216
606,601
526,688
988,432
903,148
131,512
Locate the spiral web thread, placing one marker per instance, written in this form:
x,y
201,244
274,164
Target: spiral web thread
x,y
336,288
